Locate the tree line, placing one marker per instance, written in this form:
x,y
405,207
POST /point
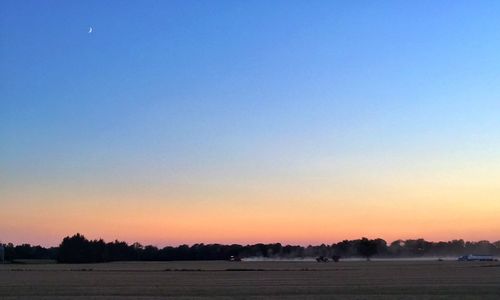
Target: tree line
x,y
79,249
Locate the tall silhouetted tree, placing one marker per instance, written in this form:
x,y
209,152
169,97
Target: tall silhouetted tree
x,y
367,248
75,249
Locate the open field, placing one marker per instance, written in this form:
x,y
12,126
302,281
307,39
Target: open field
x,y
254,280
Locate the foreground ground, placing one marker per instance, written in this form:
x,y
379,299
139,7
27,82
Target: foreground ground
x,y
253,280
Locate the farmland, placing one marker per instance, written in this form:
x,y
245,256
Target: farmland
x,y
253,280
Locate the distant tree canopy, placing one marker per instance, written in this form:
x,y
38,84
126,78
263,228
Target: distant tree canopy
x,y
78,249
367,248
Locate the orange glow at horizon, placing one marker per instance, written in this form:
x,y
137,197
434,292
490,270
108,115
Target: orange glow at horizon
x,y
292,215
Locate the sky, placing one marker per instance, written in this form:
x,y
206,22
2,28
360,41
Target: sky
x,y
301,122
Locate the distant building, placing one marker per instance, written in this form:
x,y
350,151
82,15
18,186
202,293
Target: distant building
x,y
472,257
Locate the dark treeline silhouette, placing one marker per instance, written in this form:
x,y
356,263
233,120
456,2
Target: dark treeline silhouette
x,y
27,251
78,249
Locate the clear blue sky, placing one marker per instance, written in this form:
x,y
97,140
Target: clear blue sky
x,y
230,92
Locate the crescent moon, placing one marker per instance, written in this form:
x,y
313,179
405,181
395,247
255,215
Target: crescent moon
x,y
90,29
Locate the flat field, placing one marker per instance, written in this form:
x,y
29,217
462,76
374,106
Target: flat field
x,y
253,280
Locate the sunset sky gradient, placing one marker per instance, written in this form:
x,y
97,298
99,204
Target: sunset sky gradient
x,y
249,121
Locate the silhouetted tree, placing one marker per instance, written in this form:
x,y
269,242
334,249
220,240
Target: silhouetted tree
x,y
367,248
75,249
497,245
396,248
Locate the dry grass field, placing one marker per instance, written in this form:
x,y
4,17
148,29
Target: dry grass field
x,y
253,280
